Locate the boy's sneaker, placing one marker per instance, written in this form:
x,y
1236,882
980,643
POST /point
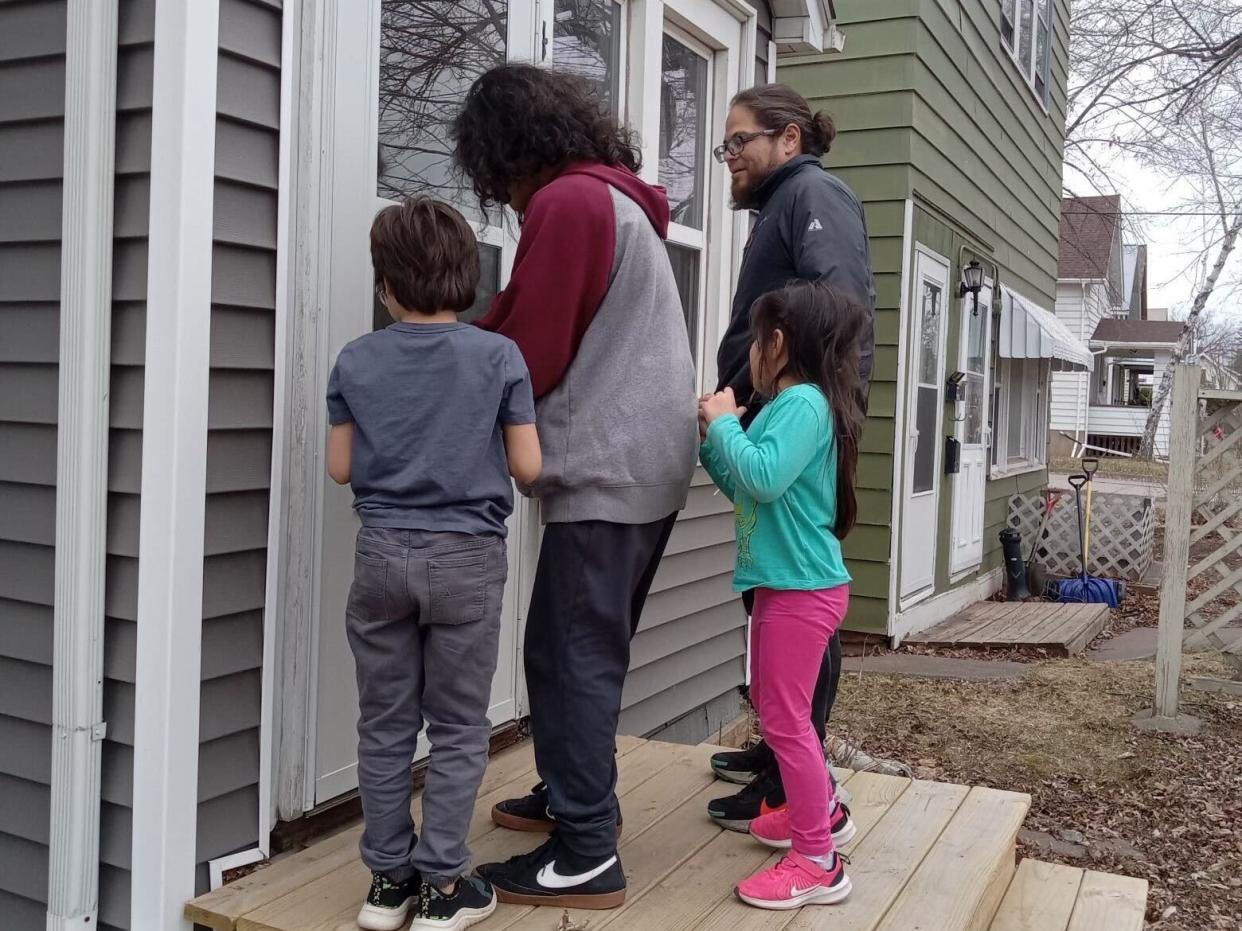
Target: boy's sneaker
x,y
555,875
774,829
470,902
763,795
796,881
742,766
530,813
388,903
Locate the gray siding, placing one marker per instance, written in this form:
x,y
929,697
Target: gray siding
x,y
32,75
239,439
690,648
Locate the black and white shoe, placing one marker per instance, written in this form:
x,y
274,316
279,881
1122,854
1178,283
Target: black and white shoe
x,y
555,875
764,795
742,766
388,903
470,902
530,813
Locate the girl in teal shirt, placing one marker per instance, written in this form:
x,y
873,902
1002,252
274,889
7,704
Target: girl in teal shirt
x,y
791,480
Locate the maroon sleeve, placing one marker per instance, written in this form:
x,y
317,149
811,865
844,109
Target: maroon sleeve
x,y
560,275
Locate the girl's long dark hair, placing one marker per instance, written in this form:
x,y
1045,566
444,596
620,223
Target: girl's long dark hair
x,y
823,336
519,119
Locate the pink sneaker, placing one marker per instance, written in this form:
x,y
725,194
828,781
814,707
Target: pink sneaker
x,y
773,828
794,882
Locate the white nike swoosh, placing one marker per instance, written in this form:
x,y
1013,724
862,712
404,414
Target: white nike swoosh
x,y
795,891
549,878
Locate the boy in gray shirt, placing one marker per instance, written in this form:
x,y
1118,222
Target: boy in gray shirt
x,y
430,417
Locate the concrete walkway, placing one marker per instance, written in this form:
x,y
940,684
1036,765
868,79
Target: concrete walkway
x,y
1113,485
933,667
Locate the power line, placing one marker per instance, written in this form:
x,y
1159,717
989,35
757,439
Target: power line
x,y
1142,213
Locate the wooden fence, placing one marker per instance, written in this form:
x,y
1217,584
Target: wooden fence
x,y
1203,540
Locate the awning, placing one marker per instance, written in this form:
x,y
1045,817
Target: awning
x,y
1027,331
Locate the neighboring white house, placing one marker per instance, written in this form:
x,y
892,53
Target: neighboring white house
x,y
1102,299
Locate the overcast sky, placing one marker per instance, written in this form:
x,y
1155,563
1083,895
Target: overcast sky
x,y
1174,243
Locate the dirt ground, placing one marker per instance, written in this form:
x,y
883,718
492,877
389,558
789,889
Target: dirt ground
x,y
1105,796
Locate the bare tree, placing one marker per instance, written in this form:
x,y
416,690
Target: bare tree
x,y
1160,81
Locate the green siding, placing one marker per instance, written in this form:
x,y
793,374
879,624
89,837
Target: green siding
x,y
929,106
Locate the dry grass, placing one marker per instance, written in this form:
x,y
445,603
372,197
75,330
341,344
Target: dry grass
x,y
1164,808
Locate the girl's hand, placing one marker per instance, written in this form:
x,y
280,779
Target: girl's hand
x,y
719,405
702,420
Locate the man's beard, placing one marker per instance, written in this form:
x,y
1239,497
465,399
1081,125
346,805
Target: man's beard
x,y
749,198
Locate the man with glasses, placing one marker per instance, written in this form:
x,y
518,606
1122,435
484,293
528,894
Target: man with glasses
x,y
809,226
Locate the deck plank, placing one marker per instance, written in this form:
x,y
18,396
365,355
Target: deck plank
x,y
665,822
221,908
1040,898
883,863
322,896
874,795
1105,900
951,889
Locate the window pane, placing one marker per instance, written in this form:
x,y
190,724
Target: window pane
x,y
489,287
977,336
1017,387
1041,58
1007,21
926,401
683,120
1026,36
974,409
997,436
586,41
431,51
929,348
685,262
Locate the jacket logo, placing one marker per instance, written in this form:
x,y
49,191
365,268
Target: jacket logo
x,y
815,225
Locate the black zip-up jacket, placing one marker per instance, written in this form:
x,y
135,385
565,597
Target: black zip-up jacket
x,y
810,226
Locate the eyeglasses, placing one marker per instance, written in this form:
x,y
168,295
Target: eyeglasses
x,y
735,145
381,293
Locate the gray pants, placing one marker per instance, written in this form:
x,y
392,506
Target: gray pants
x,y
424,623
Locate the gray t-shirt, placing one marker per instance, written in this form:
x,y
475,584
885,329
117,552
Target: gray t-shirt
x,y
428,402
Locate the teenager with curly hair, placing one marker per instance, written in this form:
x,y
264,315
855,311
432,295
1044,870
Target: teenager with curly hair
x,y
593,306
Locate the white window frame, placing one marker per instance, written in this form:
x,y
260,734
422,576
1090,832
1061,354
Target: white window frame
x,y
1042,11
1032,378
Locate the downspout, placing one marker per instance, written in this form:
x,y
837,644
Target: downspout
x,y
1083,404
82,462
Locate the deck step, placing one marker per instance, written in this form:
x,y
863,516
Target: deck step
x,y
927,855
1053,897
1055,629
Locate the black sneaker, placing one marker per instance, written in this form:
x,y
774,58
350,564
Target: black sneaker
x,y
470,902
764,795
555,875
530,813
741,766
388,903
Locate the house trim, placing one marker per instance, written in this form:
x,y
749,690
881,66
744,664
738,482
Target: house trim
x,y
286,204
174,463
899,407
84,373
932,611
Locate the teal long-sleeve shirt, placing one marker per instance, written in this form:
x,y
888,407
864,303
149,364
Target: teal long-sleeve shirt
x,y
781,476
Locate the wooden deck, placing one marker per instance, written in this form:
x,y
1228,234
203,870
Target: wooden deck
x,y
931,856
1059,629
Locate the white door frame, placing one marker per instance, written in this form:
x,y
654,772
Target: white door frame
x,y
303,288
923,254
966,305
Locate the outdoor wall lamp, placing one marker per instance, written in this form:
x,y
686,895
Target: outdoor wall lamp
x,y
972,283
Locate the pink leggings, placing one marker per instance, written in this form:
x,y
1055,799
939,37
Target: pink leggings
x,y
789,631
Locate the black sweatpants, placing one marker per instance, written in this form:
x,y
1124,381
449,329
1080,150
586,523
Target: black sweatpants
x,y
590,587
825,694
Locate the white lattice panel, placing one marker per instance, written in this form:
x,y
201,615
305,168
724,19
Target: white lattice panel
x,y
1122,534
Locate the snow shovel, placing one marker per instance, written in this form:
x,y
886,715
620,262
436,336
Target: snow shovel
x,y
1084,588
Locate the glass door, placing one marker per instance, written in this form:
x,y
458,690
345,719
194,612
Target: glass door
x,y
969,485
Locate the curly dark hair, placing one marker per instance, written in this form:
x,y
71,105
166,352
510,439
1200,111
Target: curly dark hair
x,y
519,119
